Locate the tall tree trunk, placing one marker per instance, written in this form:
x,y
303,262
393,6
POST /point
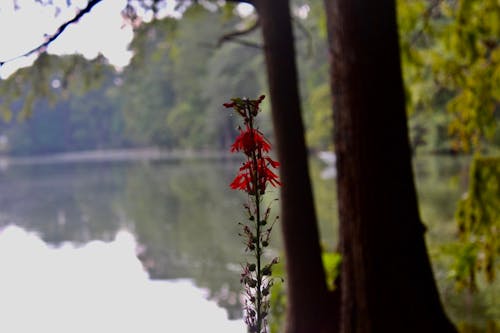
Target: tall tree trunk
x,y
387,281
307,290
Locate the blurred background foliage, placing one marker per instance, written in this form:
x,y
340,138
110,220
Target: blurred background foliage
x,y
450,52
169,96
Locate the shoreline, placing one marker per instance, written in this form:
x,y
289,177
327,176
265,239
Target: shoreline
x,y
113,155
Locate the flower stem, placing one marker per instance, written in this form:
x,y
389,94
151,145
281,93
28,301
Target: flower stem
x,y
258,255
258,249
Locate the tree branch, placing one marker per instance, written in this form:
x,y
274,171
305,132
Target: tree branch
x,y
246,43
42,47
233,36
50,38
251,2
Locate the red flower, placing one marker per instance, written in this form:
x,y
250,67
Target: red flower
x,y
244,179
254,175
249,141
266,175
243,182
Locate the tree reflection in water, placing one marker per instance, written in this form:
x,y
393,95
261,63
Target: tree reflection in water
x,y
183,214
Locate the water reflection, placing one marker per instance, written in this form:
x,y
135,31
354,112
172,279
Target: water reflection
x,y
183,215
96,287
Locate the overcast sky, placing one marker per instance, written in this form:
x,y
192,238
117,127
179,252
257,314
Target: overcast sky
x,y
103,30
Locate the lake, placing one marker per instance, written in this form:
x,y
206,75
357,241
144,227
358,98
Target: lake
x,y
151,245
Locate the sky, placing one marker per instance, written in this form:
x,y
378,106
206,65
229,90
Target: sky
x,y
103,30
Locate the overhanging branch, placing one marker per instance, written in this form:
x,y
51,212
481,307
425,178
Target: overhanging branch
x,y
233,36
41,48
251,2
50,38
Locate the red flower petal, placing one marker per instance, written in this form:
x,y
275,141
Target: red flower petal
x,y
273,163
249,141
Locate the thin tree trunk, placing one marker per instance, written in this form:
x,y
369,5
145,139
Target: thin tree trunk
x,y
307,291
387,281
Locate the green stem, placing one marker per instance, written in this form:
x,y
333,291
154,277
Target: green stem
x,y
258,249
258,255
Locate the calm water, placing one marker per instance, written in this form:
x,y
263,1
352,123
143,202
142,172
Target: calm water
x,y
150,245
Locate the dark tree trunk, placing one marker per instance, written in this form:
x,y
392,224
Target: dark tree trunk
x,y
387,281
307,292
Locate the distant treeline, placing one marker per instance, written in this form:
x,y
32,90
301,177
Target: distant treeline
x,y
171,94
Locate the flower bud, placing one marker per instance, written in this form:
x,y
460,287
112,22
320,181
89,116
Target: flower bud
x,y
266,271
251,267
265,243
252,283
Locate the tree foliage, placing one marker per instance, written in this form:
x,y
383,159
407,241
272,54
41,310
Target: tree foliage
x,y
478,218
451,55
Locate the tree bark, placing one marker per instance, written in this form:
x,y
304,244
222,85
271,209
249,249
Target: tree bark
x,y
307,298
387,280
